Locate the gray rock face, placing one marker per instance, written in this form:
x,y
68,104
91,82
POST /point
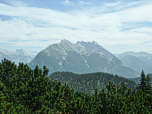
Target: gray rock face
x,y
82,57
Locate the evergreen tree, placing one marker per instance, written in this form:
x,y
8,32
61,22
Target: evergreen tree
x,y
143,81
148,85
23,90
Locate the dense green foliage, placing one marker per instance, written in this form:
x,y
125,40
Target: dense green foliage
x,y
88,82
23,90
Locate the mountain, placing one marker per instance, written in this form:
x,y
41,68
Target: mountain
x,y
82,57
137,61
19,55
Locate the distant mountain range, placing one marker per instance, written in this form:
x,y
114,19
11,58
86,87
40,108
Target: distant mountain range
x,y
82,57
137,61
20,55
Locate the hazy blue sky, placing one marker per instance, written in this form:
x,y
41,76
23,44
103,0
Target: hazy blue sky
x,y
116,25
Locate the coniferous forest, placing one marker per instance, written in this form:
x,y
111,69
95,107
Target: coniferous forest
x,y
26,91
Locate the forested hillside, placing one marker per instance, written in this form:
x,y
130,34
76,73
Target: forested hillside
x,y
88,82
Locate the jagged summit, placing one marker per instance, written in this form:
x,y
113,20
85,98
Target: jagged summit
x,y
81,42
20,51
64,41
90,46
5,51
95,43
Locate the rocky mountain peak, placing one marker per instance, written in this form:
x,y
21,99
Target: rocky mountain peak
x,y
95,43
86,44
20,51
64,41
90,46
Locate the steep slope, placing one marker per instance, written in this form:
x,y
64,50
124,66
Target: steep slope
x,y
80,58
137,61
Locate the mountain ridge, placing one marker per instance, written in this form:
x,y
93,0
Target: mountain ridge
x,y
20,55
82,49
82,57
137,61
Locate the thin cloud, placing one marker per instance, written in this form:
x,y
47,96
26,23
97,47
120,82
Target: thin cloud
x,y
67,2
85,3
108,24
112,4
16,3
